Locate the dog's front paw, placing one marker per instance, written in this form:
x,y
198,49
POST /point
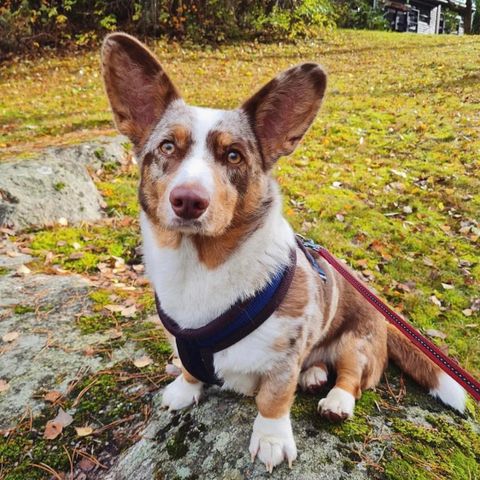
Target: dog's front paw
x,y
272,441
337,405
181,394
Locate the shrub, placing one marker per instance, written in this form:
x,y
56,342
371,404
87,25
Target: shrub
x,y
360,14
26,24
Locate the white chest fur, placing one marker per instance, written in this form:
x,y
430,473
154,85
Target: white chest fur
x,y
193,295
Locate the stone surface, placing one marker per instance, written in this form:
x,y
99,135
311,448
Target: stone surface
x,y
210,442
56,185
49,349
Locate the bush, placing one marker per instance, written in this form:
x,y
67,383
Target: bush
x,y
360,14
26,24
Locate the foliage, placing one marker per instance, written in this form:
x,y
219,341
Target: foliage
x,y
26,24
476,19
360,14
451,19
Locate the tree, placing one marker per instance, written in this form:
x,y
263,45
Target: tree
x,y
468,17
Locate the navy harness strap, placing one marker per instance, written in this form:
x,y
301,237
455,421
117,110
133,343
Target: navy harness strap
x,y
197,346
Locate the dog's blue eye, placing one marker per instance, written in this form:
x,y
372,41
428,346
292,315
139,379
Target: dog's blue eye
x,y
234,157
167,147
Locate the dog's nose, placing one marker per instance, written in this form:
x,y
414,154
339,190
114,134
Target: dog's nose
x,y
189,202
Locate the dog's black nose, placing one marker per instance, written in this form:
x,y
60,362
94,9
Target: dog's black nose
x,y
189,202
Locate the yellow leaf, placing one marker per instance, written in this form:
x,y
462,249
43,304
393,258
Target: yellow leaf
x,y
84,431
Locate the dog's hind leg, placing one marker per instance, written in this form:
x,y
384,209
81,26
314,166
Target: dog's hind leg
x,y
313,378
359,364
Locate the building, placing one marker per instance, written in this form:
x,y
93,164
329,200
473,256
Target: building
x,y
425,16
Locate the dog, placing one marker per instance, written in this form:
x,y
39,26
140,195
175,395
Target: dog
x,y
214,235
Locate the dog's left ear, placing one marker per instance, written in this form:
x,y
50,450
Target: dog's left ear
x,y
281,112
138,88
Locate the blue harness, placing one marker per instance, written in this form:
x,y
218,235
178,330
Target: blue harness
x,y
197,346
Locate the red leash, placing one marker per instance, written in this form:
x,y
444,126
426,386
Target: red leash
x,y
447,364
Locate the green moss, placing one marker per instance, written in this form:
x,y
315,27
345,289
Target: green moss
x,y
444,450
354,429
95,323
120,195
81,248
59,186
22,309
3,271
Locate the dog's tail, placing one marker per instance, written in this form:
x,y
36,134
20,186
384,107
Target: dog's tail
x,y
416,364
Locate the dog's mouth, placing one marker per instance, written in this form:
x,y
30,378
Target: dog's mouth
x,y
192,226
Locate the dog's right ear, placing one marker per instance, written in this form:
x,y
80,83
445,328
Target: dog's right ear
x,y
138,88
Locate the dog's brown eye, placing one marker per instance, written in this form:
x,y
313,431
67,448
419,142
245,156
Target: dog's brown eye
x,y
167,147
234,157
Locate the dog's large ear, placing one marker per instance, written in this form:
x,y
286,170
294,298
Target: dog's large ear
x,y
138,88
281,112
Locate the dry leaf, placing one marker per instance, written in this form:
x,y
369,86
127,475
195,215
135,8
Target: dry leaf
x,y
129,312
4,385
10,336
114,308
431,332
86,464
52,430
12,253
52,396
84,431
142,361
114,333
23,270
64,418
467,312
447,286
435,301
89,351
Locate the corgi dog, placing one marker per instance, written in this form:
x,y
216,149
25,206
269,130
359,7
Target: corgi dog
x,y
214,234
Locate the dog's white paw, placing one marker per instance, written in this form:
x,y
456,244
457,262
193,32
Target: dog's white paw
x,y
181,394
337,405
312,379
272,441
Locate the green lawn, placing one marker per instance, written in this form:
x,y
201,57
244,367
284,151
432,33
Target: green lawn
x,y
388,173
387,178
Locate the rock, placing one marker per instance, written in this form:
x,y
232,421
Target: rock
x,y
210,441
49,349
55,187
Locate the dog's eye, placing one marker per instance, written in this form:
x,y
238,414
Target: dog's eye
x,y
234,157
167,147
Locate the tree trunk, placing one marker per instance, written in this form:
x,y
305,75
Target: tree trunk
x,y
468,17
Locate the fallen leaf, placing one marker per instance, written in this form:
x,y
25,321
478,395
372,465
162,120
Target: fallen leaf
x,y
447,286
129,312
86,464
52,396
52,430
475,306
23,270
10,336
12,253
114,333
427,261
84,431
431,332
114,308
467,312
4,385
142,361
435,301
64,418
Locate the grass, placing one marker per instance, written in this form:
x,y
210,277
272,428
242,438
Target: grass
x,y
387,179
